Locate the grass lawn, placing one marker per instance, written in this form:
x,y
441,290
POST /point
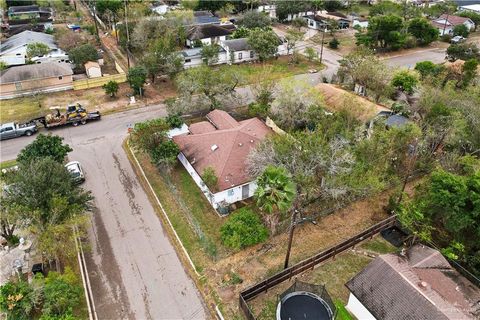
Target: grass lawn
x,y
333,274
7,164
271,70
194,220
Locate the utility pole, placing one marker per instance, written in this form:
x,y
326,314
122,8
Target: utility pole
x,y
445,24
95,18
128,34
293,224
321,50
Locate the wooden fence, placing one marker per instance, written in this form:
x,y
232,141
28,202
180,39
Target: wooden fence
x,y
253,291
98,82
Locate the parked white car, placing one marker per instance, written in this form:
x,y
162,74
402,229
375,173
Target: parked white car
x,y
457,39
75,169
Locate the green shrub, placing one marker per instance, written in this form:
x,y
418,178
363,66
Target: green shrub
x,y
258,110
244,228
174,121
333,43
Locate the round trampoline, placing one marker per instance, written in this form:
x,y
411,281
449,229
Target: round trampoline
x,y
302,305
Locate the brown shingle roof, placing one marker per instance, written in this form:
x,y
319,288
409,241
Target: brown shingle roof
x,y
201,127
453,20
420,285
222,120
233,144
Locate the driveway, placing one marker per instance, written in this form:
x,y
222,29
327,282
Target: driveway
x,y
133,268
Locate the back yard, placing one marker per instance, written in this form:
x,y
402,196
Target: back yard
x,y
230,271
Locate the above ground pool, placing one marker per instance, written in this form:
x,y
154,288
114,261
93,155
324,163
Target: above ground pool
x,y
301,305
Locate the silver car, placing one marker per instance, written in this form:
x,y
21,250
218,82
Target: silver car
x,y
75,169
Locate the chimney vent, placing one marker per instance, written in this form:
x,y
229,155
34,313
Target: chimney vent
x,y
214,147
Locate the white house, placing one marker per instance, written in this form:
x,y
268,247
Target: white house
x,y
238,50
208,33
193,57
446,23
360,22
93,69
269,9
13,51
222,144
417,284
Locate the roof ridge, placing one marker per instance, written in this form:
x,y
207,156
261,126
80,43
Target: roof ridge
x,y
229,153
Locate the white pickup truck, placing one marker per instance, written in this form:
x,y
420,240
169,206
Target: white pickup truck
x,y
13,130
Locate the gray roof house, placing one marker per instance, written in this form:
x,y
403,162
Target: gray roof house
x,y
13,51
32,78
208,34
205,17
419,284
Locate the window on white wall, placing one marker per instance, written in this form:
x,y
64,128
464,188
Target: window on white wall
x,y
240,56
230,193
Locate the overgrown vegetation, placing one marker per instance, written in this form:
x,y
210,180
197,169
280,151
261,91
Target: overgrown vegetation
x,y
242,229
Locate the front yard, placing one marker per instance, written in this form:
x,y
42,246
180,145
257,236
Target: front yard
x,y
227,272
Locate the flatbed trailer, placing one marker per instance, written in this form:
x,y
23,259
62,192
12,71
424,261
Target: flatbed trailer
x,y
63,120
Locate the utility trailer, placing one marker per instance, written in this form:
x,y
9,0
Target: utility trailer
x,y
75,115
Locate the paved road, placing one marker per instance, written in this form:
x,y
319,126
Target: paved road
x,y
409,60
134,269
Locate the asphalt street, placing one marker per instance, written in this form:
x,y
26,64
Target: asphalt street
x,y
134,269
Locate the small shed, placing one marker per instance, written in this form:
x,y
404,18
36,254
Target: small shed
x,y
93,69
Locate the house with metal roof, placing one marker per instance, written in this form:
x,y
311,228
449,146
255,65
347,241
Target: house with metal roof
x,y
222,144
13,51
446,23
205,17
417,284
19,15
34,78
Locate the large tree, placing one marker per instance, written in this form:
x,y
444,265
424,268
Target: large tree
x,y
446,210
254,19
204,87
422,30
275,194
384,32
264,43
80,55
44,146
162,58
136,78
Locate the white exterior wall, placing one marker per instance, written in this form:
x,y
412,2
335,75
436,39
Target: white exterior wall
x,y
94,72
18,56
197,60
206,41
361,24
357,309
271,10
231,195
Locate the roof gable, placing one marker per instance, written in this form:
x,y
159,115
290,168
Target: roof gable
x,y
225,150
35,71
420,285
25,38
452,20
210,31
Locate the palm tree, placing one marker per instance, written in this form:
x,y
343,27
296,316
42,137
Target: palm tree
x,y
274,194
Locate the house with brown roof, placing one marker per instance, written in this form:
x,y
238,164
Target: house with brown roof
x,y
419,284
445,23
222,144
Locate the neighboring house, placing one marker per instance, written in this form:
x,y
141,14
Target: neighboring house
x,y
338,99
205,17
223,144
93,69
471,7
323,21
361,22
193,57
208,34
446,23
160,9
13,51
269,9
238,50
27,14
419,284
33,78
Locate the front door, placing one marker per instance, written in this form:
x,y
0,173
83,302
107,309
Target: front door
x,y
245,191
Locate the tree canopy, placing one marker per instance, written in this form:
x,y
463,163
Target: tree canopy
x,y
82,54
263,42
44,146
